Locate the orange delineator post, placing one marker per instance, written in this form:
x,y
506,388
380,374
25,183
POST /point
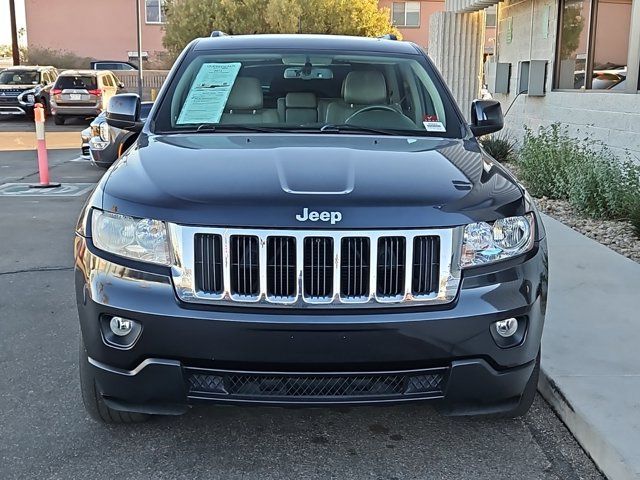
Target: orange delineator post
x,y
43,162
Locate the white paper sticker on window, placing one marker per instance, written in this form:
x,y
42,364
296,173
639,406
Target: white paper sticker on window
x,y
434,126
209,93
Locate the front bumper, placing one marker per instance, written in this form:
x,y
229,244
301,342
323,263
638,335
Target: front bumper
x,y
186,354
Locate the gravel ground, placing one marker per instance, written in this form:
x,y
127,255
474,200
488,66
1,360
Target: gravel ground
x,y
616,234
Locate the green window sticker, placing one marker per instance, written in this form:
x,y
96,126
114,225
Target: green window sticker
x,y
209,93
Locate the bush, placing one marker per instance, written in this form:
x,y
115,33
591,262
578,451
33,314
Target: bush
x,y
499,146
595,182
60,59
635,218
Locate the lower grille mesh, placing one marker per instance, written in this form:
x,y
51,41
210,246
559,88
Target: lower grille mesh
x,y
248,385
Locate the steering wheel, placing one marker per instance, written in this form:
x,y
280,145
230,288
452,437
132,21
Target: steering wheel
x,y
370,109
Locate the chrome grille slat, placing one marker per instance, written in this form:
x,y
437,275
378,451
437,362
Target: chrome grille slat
x,y
349,268
425,265
281,267
244,263
391,268
354,275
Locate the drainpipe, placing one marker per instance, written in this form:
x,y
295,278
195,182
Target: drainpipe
x,y
139,26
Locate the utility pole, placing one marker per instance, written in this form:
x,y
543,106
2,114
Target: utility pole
x,y
139,25
14,33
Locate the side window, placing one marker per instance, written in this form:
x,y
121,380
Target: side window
x,y
107,80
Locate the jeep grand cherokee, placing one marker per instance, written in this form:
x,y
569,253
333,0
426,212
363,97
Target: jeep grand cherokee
x,y
308,220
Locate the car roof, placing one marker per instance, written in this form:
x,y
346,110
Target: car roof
x,y
32,67
306,42
85,72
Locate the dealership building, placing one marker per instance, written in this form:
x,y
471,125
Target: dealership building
x,y
575,62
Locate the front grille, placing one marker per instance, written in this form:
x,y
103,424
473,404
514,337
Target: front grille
x,y
391,266
318,267
354,268
314,268
244,265
319,387
281,267
426,265
208,264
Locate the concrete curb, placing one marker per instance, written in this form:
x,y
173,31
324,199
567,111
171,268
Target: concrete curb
x,y
604,455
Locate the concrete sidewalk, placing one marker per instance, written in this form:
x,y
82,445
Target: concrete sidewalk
x,y
591,348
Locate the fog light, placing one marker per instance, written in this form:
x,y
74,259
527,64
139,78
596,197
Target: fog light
x,y
505,328
121,326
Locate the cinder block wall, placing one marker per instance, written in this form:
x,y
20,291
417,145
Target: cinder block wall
x,y
611,118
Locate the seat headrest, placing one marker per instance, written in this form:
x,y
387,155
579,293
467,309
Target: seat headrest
x,y
365,88
301,100
246,94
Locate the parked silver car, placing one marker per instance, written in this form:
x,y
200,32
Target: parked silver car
x,y
82,93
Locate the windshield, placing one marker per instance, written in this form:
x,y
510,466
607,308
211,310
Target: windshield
x,y
19,77
315,91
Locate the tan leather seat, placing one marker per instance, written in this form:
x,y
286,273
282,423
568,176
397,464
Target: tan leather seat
x,y
361,89
301,108
245,104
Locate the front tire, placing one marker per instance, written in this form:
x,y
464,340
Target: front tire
x,y
58,120
93,401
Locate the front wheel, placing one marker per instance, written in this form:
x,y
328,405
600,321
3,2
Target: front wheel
x,y
58,120
93,401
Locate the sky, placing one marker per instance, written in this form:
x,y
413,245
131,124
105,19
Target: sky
x,y
5,22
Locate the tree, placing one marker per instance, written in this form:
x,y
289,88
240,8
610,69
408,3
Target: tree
x,y
189,19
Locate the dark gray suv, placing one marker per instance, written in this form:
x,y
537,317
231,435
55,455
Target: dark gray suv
x,y
308,220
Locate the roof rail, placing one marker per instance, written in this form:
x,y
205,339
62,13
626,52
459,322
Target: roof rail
x,y
218,33
389,36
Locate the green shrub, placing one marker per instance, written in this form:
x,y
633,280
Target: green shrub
x,y
595,182
634,217
499,146
61,59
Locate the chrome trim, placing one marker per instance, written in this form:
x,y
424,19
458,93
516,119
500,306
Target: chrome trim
x,y
12,111
183,269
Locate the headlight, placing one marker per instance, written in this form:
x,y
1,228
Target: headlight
x,y
104,131
486,243
27,97
136,238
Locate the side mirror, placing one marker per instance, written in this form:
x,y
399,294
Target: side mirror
x,y
486,117
123,112
120,85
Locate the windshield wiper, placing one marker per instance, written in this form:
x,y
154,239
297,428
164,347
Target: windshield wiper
x,y
346,127
215,127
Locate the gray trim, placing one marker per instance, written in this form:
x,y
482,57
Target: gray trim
x,y
633,62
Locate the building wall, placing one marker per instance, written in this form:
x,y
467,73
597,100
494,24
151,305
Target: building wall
x,y
419,35
102,31
611,118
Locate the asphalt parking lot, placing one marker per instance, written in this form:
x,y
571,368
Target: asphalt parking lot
x,y
45,433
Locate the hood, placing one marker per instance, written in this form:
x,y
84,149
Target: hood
x,y
269,180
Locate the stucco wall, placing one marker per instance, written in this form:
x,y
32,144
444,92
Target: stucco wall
x,y
101,31
611,118
419,35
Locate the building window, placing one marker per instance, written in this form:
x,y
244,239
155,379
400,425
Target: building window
x,y
154,11
593,44
406,14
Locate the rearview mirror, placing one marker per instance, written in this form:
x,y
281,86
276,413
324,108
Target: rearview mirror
x,y
486,117
123,112
305,73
